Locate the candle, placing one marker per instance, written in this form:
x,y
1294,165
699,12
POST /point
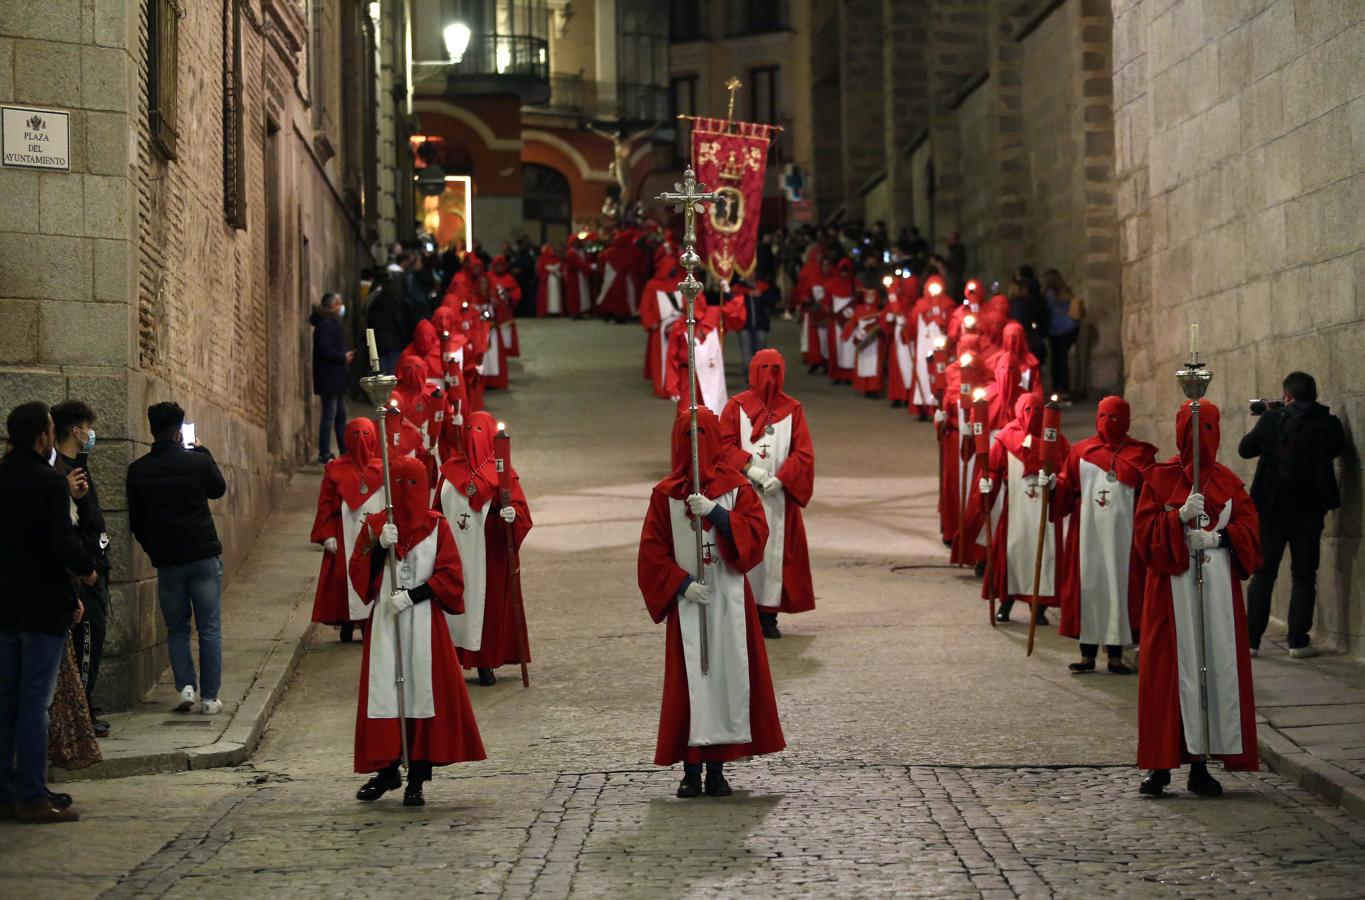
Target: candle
x,y
1194,341
374,349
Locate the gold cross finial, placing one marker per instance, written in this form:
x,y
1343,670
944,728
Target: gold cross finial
x,y
732,85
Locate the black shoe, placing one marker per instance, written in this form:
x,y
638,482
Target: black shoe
x,y
101,727
1003,613
1041,618
1202,783
690,786
325,458
1155,783
922,417
768,622
487,678
980,569
412,795
1117,667
59,801
383,782
1085,665
717,786
347,633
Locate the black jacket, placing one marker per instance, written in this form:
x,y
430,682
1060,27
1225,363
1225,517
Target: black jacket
x,y
391,316
39,547
89,514
329,354
168,510
1296,446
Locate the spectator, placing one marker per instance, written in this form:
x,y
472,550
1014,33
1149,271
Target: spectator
x,y
919,247
39,551
753,337
392,318
1028,308
330,359
74,424
1064,327
1294,488
168,511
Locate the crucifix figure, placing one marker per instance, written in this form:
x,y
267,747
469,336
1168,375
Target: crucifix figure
x,y
464,522
763,451
732,85
1103,500
706,556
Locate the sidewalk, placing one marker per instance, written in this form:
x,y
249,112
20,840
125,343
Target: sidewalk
x,y
266,619
1311,721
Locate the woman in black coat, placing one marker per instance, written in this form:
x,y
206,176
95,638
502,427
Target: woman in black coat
x,y
330,358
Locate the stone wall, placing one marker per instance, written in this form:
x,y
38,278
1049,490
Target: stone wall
x,y
125,284
1241,171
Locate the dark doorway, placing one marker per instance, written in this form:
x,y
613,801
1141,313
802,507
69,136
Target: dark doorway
x,y
546,201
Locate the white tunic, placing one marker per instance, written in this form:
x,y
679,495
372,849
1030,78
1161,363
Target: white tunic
x,y
927,331
845,351
1021,542
869,359
1220,651
467,525
554,289
718,702
1106,544
711,372
905,361
352,520
769,453
670,311
415,624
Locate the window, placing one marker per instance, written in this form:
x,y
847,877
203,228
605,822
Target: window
x,y
763,95
685,18
765,15
234,122
682,101
163,26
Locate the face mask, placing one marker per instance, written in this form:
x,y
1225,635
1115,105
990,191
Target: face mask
x,y
52,457
341,311
89,442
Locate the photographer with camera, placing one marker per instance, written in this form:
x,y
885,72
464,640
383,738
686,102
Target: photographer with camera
x,y
1294,443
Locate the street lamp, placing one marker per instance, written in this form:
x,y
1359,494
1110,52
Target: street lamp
x,y
457,40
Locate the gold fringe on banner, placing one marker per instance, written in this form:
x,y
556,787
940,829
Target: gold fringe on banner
x,y
711,125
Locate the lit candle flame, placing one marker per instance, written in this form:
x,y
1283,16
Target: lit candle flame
x,y
971,285
966,359
979,394
935,288
502,426
940,342
1054,398
582,235
969,321
888,281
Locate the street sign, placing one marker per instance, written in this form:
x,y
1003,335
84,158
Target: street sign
x,y
35,138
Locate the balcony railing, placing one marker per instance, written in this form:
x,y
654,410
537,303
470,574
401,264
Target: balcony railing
x,y
493,64
574,95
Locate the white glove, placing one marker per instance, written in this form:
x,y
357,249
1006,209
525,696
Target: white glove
x,y
725,287
1193,508
457,420
675,398
1201,540
772,486
698,593
330,545
388,535
940,417
699,506
986,485
508,514
1050,481
399,601
757,474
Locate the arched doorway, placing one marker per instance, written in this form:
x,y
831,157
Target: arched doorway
x,y
546,203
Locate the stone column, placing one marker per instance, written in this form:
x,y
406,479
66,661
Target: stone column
x,y
862,113
905,96
956,52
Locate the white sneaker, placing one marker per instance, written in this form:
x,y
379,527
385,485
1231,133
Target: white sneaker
x,y
1303,652
186,699
211,707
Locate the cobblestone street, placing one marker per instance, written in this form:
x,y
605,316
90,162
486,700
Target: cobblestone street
x,y
926,755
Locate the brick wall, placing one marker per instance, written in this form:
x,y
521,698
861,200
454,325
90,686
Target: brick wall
x,y
1241,175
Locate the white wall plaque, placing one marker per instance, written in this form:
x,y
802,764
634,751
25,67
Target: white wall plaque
x,y
36,138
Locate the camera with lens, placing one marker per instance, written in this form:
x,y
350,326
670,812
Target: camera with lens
x,y
1260,407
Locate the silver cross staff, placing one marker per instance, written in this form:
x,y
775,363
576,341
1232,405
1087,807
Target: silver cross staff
x,y
1194,383
688,198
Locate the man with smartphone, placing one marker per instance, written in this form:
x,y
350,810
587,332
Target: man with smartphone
x,y
168,512
74,423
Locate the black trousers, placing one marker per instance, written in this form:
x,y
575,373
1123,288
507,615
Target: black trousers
x,y
1302,533
88,636
1090,651
1061,359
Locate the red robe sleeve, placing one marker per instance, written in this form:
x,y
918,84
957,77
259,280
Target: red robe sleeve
x,y
748,531
1244,535
735,456
521,526
660,576
798,472
1159,534
327,523
677,360
1068,490
447,578
649,311
734,313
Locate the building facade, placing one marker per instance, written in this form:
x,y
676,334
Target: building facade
x,y
224,173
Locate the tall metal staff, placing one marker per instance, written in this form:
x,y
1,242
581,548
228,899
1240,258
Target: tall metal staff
x,y
689,198
377,386
1194,382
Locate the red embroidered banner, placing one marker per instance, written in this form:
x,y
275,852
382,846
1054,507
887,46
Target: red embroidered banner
x,y
731,158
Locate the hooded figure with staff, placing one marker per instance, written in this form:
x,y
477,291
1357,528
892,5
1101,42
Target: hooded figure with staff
x,y
413,709
704,529
1198,533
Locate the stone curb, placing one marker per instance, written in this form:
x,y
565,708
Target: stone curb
x,y
243,733
1332,783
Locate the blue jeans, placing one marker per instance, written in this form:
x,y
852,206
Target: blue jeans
x,y
29,662
196,588
333,419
